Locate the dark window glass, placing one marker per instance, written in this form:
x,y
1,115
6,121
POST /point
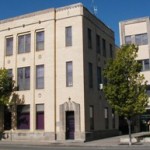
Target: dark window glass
x,y
141,39
90,75
113,119
9,46
104,47
69,74
98,44
40,116
40,40
23,79
24,43
23,117
99,77
106,117
40,77
111,50
68,36
91,110
89,38
128,40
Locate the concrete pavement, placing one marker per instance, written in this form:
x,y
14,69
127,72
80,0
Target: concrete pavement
x,y
110,142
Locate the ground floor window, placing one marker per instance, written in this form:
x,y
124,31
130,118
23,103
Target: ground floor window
x,y
23,117
40,116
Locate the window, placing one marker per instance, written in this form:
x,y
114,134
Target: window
x,y
10,74
111,50
24,43
128,40
99,77
68,36
141,39
113,118
40,116
90,75
39,40
145,63
40,77
91,109
104,47
69,74
98,44
106,117
9,46
89,38
23,79
23,117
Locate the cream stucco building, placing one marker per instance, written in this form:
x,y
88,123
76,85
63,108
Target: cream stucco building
x,y
56,57
137,31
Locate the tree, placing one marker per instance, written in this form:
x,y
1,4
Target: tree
x,y
125,89
6,87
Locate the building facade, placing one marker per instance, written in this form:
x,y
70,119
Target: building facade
x,y
137,31
56,57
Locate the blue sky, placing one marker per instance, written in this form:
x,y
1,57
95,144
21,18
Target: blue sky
x,y
109,11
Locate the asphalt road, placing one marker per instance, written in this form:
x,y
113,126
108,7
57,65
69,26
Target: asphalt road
x,y
46,147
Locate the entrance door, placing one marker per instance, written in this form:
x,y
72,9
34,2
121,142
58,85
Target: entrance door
x,y
69,124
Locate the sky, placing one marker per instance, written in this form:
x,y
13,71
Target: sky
x,y
111,12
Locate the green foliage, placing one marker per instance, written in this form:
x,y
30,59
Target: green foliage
x,y
125,89
6,87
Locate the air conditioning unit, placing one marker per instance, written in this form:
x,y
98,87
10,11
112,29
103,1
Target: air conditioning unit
x,y
101,86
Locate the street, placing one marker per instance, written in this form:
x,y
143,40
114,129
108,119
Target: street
x,y
53,147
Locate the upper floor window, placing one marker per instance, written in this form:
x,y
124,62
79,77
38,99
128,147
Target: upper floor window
x,y
69,74
98,44
128,39
9,46
68,36
10,74
106,117
40,40
23,79
24,43
111,50
99,77
104,47
39,76
145,63
89,38
141,39
90,75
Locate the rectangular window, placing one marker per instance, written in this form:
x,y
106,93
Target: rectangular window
x,y
141,39
99,77
98,44
104,47
69,74
89,38
68,35
111,50
40,116
39,76
128,40
146,64
91,110
10,74
113,119
9,46
23,117
23,79
24,43
90,75
39,40
106,117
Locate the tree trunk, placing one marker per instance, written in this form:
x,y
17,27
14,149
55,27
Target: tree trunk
x,y
129,128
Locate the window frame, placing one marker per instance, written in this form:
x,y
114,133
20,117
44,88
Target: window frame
x,y
40,41
69,74
9,51
41,77
68,36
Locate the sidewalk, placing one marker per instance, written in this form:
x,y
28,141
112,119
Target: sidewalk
x,y
107,142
